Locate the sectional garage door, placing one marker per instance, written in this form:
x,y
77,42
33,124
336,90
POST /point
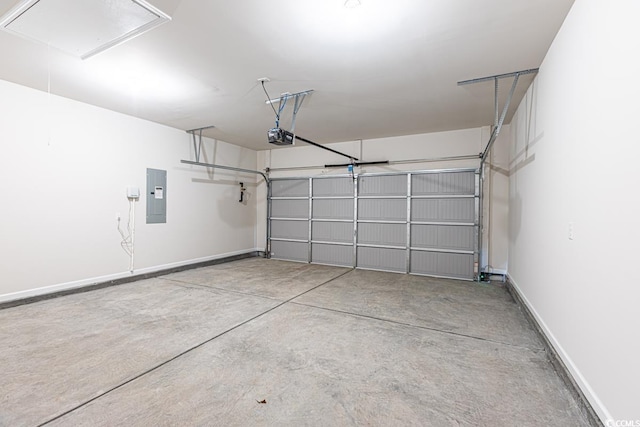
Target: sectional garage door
x,y
419,222
290,219
312,220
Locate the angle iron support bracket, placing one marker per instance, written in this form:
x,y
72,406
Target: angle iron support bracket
x,y
498,121
495,101
282,101
197,146
498,76
498,127
299,98
287,96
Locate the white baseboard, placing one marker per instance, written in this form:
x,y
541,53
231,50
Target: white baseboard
x,y
116,276
577,376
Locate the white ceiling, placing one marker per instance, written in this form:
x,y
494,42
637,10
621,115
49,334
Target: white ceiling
x,y
385,68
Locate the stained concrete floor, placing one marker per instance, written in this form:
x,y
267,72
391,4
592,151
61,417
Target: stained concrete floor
x,y
320,345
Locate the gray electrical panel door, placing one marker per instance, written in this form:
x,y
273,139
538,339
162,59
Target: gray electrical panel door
x,y
156,196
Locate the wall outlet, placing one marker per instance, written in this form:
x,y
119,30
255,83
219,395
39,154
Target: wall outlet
x,y
133,192
571,230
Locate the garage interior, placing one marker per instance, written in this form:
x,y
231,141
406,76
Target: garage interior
x,y
322,212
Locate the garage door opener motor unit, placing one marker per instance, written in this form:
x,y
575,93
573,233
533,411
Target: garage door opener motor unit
x,y
279,136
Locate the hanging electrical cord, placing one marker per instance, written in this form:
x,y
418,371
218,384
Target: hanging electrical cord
x,y
280,107
132,226
128,240
281,104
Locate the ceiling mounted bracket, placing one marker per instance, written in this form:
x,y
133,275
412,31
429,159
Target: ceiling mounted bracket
x,y
282,101
296,107
498,119
287,96
498,76
197,142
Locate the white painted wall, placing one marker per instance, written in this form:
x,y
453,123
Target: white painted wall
x,y
64,170
309,161
574,160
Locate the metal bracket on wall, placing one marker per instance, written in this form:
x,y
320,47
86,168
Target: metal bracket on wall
x,y
211,165
242,190
197,145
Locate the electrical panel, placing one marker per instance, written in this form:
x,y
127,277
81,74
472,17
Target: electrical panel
x,y
156,196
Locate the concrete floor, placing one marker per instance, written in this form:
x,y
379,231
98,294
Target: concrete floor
x,y
321,345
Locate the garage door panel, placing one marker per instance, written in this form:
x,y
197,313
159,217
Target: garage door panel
x,y
383,185
442,225
332,254
290,208
451,237
382,234
382,259
382,209
450,183
341,232
333,187
333,209
443,210
442,264
293,251
290,188
298,230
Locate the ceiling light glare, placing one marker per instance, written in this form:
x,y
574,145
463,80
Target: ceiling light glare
x,y
350,4
132,76
334,23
